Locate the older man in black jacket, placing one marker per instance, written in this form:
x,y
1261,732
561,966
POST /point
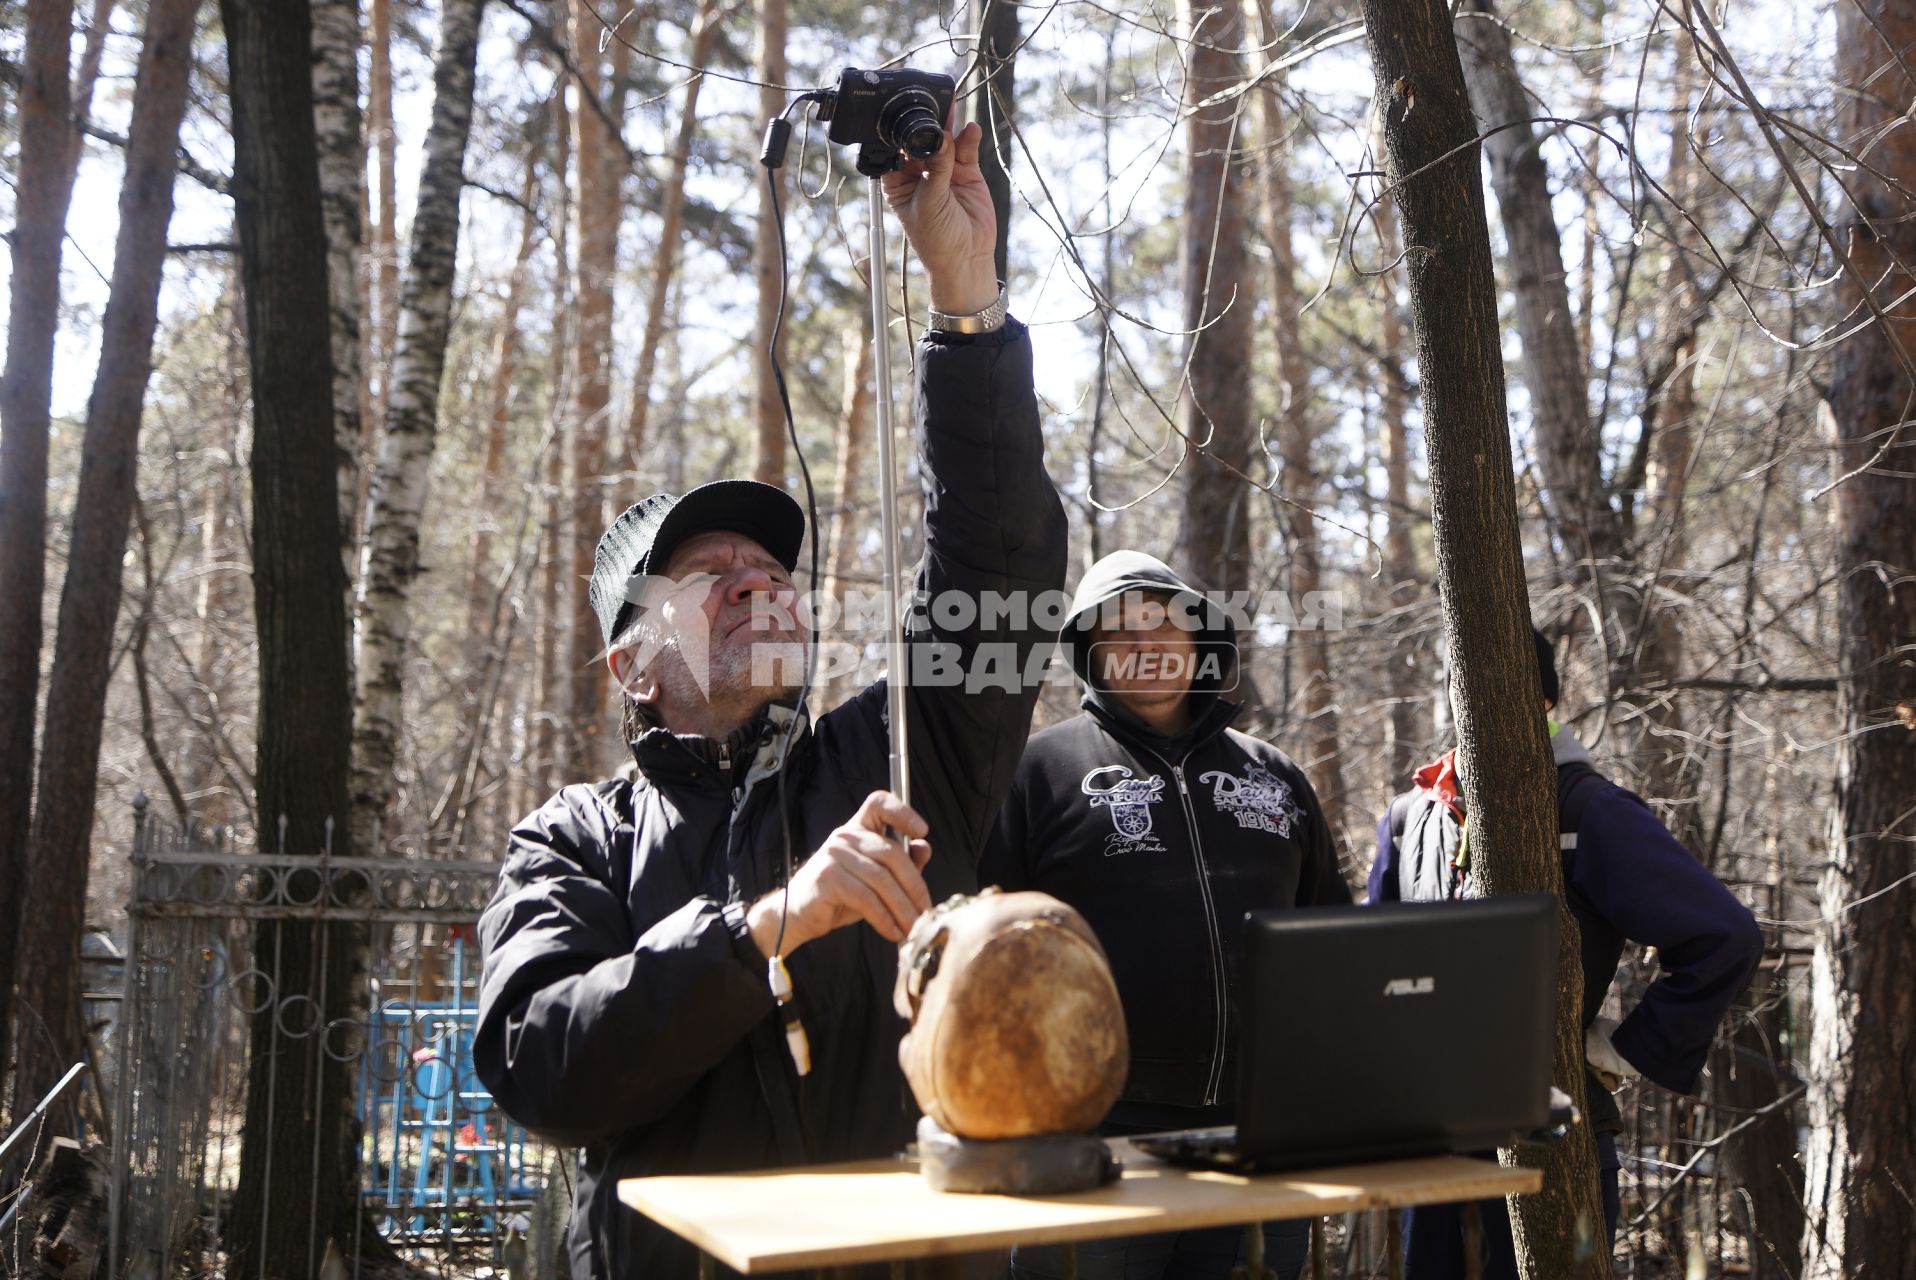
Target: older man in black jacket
x,y
626,1006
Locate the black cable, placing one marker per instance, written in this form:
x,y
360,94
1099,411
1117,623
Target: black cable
x,y
811,509
778,130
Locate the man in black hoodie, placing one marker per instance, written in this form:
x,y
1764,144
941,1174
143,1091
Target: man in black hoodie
x,y
1163,826
628,1001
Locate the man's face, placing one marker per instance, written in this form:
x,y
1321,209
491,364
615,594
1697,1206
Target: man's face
x,y
1147,661
717,626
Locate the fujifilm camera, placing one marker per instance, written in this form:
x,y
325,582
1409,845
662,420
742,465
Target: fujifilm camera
x,y
884,113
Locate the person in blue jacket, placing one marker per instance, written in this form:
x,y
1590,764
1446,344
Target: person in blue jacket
x,y
1626,878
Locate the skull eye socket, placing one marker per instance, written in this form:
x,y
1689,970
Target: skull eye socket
x,y
924,967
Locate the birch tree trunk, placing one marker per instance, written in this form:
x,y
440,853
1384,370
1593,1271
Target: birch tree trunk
x,y
705,29
1297,443
293,1159
768,454
597,244
1214,408
385,249
397,500
56,875
342,169
1503,753
1556,378
1862,1101
43,185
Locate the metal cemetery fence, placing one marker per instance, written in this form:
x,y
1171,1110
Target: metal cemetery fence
x,y
441,1168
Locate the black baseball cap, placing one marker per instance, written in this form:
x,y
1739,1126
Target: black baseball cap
x,y
646,534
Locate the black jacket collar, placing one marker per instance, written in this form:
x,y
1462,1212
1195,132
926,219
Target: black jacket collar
x,y
670,760
1127,728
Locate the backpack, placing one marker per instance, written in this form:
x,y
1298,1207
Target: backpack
x,y
1428,836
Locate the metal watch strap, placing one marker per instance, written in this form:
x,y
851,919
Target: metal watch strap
x,y
991,318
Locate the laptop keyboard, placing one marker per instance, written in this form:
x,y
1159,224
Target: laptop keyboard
x,y
1187,1145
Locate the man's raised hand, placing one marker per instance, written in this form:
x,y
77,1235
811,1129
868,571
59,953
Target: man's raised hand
x,y
946,211
859,873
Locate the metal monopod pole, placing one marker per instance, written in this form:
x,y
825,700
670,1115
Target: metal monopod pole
x,y
895,671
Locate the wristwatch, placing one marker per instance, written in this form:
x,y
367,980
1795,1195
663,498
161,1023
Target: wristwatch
x,y
986,321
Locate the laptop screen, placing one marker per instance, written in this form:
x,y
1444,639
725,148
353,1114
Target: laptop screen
x,y
1397,1028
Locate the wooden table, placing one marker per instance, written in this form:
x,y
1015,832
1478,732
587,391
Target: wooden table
x,y
882,1211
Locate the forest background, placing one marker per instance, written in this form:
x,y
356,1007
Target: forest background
x,y
554,296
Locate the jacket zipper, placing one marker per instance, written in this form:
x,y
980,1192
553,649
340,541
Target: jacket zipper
x,y
1211,1081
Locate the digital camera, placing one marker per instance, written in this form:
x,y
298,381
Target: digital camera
x,y
887,112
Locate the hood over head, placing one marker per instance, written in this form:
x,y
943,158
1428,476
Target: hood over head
x,y
1122,572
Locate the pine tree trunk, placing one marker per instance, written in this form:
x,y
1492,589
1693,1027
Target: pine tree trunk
x,y
993,100
499,416
1402,579
1297,443
1862,1101
854,431
56,875
302,1161
854,428
398,496
1750,1071
1214,411
1556,377
87,75
705,29
342,168
768,454
1509,782
597,244
1665,758
483,656
43,184
552,641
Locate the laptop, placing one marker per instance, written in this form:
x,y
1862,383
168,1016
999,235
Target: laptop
x,y
1386,1032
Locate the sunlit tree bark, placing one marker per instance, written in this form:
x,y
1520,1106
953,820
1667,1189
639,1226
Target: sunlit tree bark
x,y
342,174
768,456
56,875
596,245
397,499
1316,696
43,183
705,29
1214,409
1862,1101
1555,375
291,1158
994,96
1407,690
1504,755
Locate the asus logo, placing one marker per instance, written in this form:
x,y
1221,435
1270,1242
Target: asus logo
x,y
1410,986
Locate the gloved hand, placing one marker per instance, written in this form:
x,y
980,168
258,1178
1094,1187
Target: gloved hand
x,y
1611,1067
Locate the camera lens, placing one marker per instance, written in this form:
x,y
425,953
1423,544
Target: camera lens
x,y
909,121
